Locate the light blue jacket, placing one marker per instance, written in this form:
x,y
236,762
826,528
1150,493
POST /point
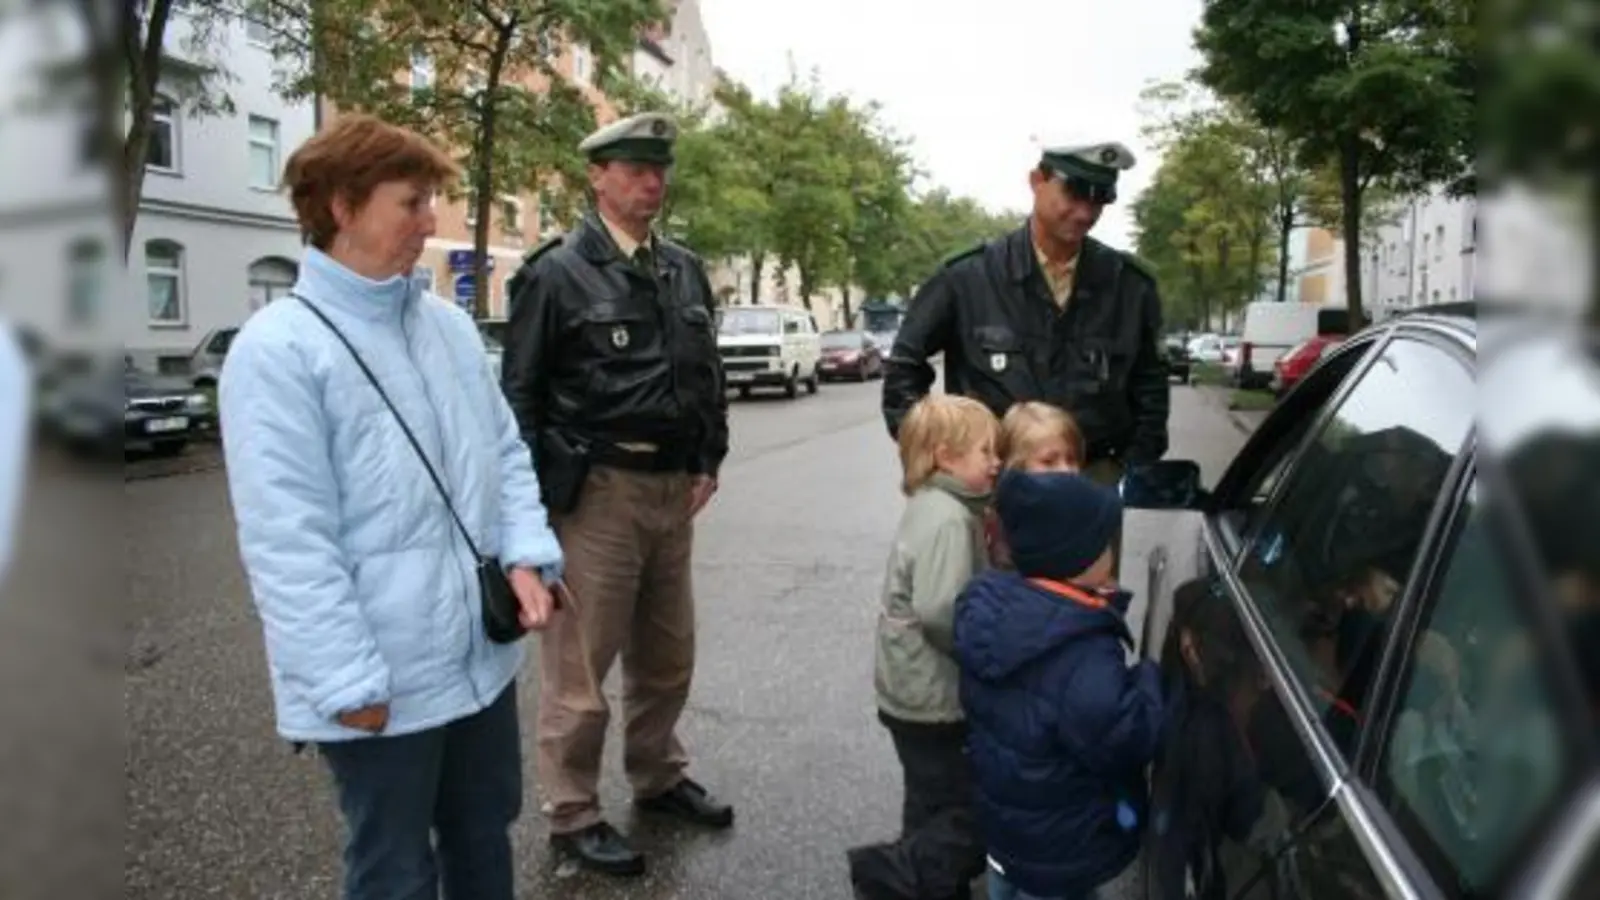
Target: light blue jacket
x,y
366,590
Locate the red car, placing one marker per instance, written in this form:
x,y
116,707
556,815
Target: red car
x,y
850,354
1299,361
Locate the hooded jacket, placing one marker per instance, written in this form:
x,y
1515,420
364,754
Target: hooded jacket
x,y
1061,730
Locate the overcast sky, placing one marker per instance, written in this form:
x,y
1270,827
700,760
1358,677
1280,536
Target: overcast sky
x,y
974,84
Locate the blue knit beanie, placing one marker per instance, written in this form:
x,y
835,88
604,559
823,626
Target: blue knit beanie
x,y
1056,523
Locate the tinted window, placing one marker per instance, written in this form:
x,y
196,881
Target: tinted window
x,y
1290,424
1475,751
749,321
1335,552
221,342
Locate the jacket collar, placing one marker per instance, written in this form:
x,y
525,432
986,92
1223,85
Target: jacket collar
x,y
976,501
592,241
332,285
1022,261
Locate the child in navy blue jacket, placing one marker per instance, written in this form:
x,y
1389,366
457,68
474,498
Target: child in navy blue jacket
x,y
1061,728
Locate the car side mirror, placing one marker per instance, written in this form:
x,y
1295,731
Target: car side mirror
x,y
1166,484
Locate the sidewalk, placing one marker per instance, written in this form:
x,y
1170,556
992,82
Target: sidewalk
x,y
1246,420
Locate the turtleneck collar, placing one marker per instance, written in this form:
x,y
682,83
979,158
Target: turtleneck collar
x,y
329,283
973,500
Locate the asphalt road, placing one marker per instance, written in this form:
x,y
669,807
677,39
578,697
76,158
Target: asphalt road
x,y
788,567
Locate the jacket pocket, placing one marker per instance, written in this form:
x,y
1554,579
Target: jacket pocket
x,y
907,671
612,331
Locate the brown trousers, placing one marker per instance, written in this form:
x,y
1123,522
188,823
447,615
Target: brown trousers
x,y
628,545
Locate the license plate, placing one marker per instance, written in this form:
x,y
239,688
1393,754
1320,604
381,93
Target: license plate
x,y
829,365
740,377
164,426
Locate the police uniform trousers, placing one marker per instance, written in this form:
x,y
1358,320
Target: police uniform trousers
x,y
1107,471
628,545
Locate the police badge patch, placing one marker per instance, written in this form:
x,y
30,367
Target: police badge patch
x,y
619,337
997,362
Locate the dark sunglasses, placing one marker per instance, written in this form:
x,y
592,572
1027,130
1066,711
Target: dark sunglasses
x,y
1084,189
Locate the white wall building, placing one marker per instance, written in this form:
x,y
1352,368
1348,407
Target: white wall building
x,y
216,238
1427,256
58,242
678,57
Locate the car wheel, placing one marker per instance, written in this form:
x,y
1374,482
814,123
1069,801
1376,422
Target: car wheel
x,y
814,381
791,388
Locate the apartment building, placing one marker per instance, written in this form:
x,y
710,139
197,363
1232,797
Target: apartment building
x,y
216,237
1427,255
1317,261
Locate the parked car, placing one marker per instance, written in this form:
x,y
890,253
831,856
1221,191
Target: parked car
x,y
92,409
1271,329
776,346
1293,366
850,354
1379,634
205,363
1178,363
1206,348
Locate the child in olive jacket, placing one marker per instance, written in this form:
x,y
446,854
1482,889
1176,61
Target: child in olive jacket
x,y
947,451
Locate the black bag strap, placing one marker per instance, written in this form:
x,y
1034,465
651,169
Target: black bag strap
x,y
415,445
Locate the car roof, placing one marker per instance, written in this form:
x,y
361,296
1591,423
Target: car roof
x,y
1458,321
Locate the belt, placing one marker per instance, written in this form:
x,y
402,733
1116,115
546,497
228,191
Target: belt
x,y
640,456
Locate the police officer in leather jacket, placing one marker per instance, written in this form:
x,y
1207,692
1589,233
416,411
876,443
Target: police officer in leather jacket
x,y
611,368
1047,313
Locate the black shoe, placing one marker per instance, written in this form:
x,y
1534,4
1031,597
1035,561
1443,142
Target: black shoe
x,y
601,848
690,802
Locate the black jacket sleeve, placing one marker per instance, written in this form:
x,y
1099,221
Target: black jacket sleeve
x,y
1149,394
528,332
714,440
924,332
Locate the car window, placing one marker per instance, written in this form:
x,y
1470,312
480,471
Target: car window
x,y
1475,752
791,325
1329,560
221,341
1243,508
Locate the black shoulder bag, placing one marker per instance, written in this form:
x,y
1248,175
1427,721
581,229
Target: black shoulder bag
x,y
501,620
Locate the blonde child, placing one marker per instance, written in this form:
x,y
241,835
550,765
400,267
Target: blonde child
x,y
1034,437
947,454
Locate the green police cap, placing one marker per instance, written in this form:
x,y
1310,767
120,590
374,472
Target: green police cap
x,y
646,137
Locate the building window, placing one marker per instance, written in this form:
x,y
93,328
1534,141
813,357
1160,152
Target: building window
x,y
86,275
263,152
271,279
257,33
511,216
163,272
162,152
1438,243
547,216
580,63
421,71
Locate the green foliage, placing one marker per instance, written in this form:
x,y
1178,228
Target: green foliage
x,y
496,95
1383,91
1211,217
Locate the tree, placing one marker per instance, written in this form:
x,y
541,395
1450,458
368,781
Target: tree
x,y
1176,110
880,174
495,95
1385,91
1205,221
196,82
812,210
938,227
1542,103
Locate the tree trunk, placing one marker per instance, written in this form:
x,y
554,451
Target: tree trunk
x,y
483,180
1350,216
142,43
757,262
1285,232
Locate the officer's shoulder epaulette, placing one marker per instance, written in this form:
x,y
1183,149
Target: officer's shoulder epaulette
x,y
549,244
959,255
1138,264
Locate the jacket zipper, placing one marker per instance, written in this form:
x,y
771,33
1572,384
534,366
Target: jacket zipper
x,y
466,600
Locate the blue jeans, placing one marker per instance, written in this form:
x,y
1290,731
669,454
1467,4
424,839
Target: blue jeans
x,y
461,780
1001,889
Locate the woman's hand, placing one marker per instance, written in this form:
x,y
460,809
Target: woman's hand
x,y
534,597
371,719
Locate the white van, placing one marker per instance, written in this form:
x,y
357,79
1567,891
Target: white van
x,y
1272,329
769,346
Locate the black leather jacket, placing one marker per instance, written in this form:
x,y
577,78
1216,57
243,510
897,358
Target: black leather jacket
x,y
599,352
1004,340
